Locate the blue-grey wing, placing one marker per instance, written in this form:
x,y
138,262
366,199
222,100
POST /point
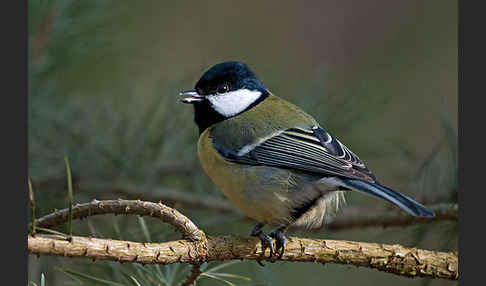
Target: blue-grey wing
x,y
312,150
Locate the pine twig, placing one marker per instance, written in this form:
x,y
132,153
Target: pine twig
x,y
70,197
192,277
32,206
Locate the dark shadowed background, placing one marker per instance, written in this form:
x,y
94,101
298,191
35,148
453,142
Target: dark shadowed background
x,y
104,78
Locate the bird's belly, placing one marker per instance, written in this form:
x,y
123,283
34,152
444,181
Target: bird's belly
x,y
261,193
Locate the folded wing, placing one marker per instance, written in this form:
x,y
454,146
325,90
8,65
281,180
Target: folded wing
x,y
312,150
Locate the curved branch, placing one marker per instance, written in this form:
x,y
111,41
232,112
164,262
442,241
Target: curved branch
x,y
157,210
197,248
410,262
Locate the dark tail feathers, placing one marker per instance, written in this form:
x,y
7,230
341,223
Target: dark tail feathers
x,y
407,204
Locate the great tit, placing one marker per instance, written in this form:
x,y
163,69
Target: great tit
x,y
274,161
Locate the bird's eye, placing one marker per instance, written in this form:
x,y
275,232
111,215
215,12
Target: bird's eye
x,y
223,88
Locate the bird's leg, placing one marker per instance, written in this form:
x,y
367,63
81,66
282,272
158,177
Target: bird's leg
x,y
266,240
279,236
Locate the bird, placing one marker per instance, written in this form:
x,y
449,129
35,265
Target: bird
x,y
273,160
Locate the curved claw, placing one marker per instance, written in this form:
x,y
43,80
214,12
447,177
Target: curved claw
x,y
279,241
266,241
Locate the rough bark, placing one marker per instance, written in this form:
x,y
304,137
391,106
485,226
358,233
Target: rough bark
x,y
191,278
410,262
196,247
158,210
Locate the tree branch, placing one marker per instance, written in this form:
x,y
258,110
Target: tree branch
x,y
157,210
396,259
191,279
196,248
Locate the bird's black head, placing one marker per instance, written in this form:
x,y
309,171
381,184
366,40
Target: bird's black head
x,y
228,76
225,90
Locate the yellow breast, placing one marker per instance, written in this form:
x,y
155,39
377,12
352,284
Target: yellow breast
x,y
261,192
241,185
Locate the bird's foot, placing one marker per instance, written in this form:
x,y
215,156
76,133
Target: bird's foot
x,y
266,240
279,237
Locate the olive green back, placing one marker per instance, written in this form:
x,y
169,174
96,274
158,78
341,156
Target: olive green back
x,y
269,116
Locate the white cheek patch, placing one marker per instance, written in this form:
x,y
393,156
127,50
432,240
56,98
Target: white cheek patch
x,y
233,102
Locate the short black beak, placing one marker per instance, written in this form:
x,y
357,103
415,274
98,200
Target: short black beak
x,y
191,96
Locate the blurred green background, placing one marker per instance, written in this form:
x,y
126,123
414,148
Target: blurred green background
x,y
104,78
